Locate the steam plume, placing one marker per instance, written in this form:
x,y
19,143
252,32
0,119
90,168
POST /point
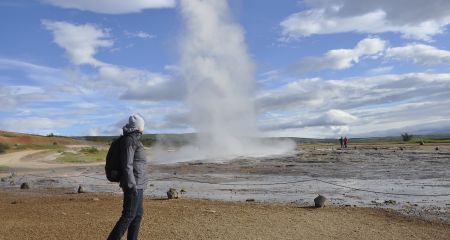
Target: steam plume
x,y
219,77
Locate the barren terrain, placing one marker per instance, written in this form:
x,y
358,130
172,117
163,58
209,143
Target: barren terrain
x,y
61,215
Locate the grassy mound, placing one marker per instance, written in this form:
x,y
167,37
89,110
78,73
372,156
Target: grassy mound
x,y
85,155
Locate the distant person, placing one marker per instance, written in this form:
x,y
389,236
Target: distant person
x,y
341,141
345,142
133,180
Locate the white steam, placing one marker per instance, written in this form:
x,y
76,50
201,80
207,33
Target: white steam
x,y
219,75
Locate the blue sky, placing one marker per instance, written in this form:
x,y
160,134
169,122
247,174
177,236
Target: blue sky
x,y
322,68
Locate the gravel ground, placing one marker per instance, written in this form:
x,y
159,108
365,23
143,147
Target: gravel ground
x,y
60,214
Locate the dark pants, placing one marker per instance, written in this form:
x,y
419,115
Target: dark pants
x,y
132,212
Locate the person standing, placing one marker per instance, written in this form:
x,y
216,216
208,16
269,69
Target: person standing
x,y
341,141
345,142
133,180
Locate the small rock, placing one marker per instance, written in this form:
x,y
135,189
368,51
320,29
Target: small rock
x,y
250,200
81,189
401,148
12,183
437,148
393,202
182,191
96,199
13,174
210,211
25,185
421,142
172,194
4,179
320,201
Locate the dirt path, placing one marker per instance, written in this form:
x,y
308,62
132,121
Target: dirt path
x,y
17,159
27,215
37,159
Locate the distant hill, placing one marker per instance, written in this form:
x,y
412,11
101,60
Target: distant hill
x,y
12,138
177,140
149,139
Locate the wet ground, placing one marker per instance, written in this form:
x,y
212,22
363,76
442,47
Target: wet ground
x,y
410,178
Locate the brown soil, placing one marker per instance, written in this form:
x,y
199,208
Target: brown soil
x,y
21,138
59,215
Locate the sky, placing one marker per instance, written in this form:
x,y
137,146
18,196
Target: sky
x,y
323,68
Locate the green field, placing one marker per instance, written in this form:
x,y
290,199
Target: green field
x,y
4,168
85,155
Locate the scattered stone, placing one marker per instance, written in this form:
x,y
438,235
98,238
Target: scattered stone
x,y
152,185
47,181
182,191
391,202
25,185
401,148
4,179
421,142
15,202
375,148
81,189
172,194
96,199
195,163
320,201
210,211
13,174
437,148
250,200
12,183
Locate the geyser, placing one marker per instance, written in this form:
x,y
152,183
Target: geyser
x,y
219,76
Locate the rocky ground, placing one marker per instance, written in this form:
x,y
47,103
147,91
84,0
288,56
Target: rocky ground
x,y
61,214
293,180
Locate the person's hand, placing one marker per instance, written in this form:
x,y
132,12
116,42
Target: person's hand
x,y
134,191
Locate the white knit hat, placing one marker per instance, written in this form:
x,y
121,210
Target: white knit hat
x,y
137,122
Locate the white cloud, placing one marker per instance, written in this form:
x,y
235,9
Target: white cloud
x,y
112,6
330,118
94,132
363,104
141,84
341,58
354,92
335,117
380,70
420,53
12,97
40,125
80,42
140,34
416,19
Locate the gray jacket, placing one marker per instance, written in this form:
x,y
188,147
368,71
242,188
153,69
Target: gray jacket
x,y
133,162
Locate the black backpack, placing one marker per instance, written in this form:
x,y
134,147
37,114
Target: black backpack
x,y
112,167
